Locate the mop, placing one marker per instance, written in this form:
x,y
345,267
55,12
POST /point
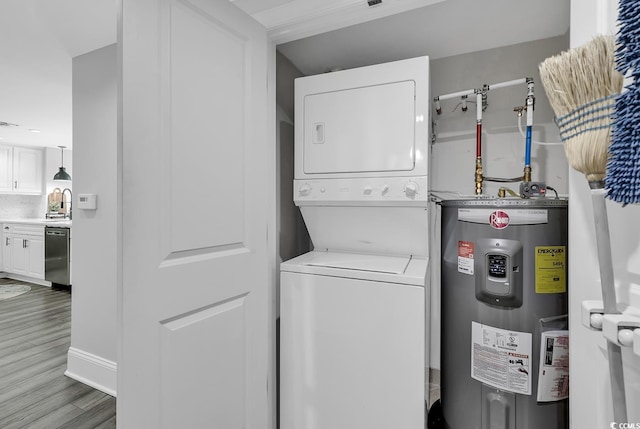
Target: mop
x,y
581,85
623,169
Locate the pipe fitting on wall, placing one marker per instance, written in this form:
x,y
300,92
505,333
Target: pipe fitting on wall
x,y
479,178
527,174
436,101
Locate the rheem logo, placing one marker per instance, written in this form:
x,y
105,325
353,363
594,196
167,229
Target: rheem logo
x,y
499,219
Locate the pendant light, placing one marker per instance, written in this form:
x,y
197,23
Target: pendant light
x,y
62,173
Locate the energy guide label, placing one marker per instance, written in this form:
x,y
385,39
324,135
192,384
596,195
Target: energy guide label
x,y
501,358
551,269
465,257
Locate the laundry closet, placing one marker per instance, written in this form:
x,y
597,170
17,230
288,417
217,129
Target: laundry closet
x,y
451,138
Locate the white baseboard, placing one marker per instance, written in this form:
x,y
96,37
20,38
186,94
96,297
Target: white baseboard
x,y
28,279
92,370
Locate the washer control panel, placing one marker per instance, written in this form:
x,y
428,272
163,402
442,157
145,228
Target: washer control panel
x,y
410,190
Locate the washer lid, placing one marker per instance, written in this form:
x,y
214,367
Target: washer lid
x,y
352,261
392,269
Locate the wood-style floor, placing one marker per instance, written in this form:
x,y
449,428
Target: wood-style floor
x,y
35,330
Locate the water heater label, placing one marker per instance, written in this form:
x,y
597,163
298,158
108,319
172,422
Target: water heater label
x,y
501,358
501,219
465,257
551,269
553,376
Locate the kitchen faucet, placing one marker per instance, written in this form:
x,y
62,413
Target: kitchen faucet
x,y
70,201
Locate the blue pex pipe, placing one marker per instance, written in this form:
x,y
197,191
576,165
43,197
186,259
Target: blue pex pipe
x,y
527,150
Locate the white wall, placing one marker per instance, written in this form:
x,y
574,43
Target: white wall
x,y
453,154
293,238
590,400
92,355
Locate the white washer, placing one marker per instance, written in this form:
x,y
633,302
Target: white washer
x,y
353,341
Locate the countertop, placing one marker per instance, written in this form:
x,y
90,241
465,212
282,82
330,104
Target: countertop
x,y
66,223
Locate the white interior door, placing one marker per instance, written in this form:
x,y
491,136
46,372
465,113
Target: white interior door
x,y
196,317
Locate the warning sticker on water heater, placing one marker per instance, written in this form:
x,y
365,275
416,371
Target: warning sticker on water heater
x,y
553,376
551,269
501,358
465,257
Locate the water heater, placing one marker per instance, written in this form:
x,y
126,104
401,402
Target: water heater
x,y
504,314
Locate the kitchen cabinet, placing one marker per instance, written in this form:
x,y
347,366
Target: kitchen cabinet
x,y
6,169
27,170
23,251
21,170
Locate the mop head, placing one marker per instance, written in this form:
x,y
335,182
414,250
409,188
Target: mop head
x,y
581,85
623,169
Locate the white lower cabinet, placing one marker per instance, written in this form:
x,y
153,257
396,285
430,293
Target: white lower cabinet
x,y
23,250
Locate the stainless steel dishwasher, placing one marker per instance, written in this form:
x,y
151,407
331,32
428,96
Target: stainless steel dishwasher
x,y
57,256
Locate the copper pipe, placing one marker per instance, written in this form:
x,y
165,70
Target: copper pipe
x,y
479,178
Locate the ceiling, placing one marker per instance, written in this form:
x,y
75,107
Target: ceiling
x,y
443,29
40,37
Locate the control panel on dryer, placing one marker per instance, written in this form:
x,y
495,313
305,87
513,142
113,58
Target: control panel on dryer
x,y
381,191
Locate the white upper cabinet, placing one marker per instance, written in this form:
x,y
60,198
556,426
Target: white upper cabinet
x,y
21,170
6,169
27,170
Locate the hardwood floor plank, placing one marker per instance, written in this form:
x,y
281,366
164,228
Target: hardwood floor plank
x,y
91,399
41,404
26,350
34,359
93,418
22,328
57,418
10,391
35,330
109,424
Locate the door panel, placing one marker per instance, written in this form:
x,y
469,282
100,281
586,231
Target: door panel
x,y
195,309
202,115
185,354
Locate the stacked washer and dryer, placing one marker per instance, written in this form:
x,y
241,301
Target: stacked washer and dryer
x,y
354,350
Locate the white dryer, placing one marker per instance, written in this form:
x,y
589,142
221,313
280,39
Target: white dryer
x,y
354,313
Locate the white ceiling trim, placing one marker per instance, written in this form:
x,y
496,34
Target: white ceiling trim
x,y
298,19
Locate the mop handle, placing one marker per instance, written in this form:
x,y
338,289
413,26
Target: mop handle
x,y
603,244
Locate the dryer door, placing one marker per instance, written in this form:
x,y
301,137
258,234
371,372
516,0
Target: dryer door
x,y
367,129
352,353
